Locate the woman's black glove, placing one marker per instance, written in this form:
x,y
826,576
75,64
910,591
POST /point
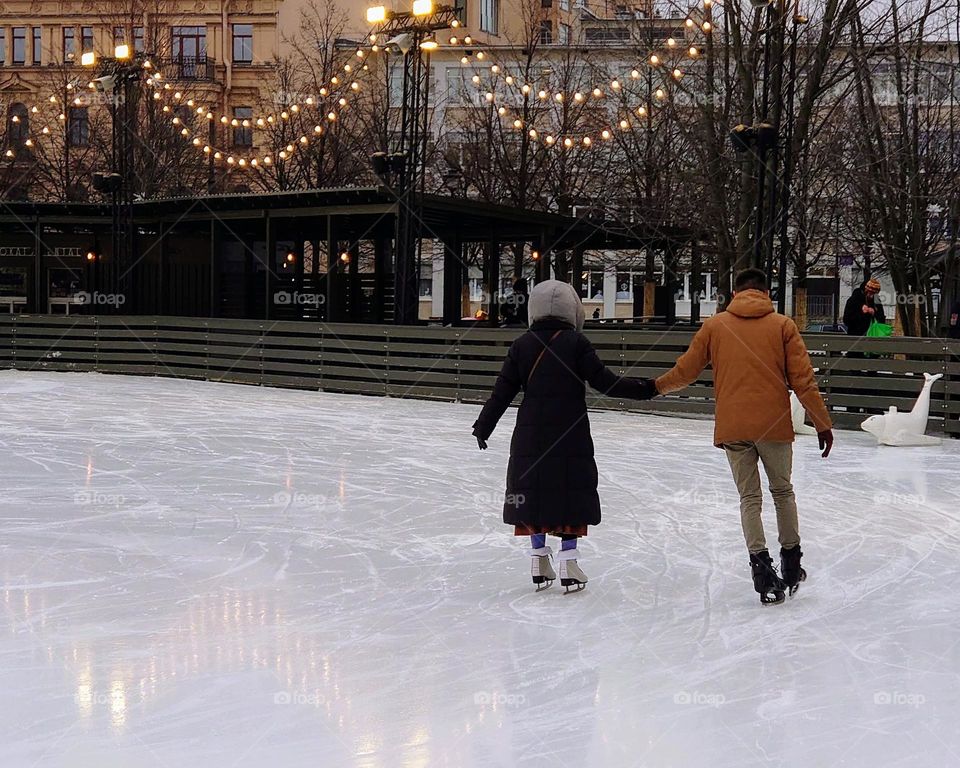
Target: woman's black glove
x,y
480,441
650,389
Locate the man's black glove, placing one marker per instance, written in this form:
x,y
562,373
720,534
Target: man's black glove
x,y
826,442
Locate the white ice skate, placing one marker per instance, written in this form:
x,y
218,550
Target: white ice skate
x,y
570,573
541,569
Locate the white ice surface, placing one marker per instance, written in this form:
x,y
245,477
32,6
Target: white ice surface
x,y
211,575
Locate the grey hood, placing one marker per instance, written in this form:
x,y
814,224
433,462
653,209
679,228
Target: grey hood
x,y
556,300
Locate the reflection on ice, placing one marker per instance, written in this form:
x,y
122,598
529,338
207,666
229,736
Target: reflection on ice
x,y
215,575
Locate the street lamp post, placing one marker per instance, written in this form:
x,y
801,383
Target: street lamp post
x,y
119,75
412,34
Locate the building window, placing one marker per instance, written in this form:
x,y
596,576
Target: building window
x,y
69,43
190,50
3,46
37,45
489,16
138,45
20,45
563,34
79,134
242,43
592,281
119,36
546,32
86,39
18,123
564,5
460,8
243,134
189,43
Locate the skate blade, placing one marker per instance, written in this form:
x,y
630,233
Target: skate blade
x,y
578,586
803,577
772,598
544,584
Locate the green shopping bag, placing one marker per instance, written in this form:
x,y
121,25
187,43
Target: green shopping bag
x,y
879,330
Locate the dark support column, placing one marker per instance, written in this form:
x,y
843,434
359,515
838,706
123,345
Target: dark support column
x,y
333,259
452,281
670,281
493,281
696,282
249,273
576,270
543,262
38,287
381,262
354,282
215,240
270,259
298,257
163,279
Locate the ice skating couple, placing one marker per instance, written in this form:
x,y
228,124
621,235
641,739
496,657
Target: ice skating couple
x,y
756,355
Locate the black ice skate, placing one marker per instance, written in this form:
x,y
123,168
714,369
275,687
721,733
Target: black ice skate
x,y
541,569
570,573
765,579
790,569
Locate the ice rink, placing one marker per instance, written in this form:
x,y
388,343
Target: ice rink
x,y
213,575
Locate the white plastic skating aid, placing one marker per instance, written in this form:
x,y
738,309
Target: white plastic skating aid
x,y
541,569
570,573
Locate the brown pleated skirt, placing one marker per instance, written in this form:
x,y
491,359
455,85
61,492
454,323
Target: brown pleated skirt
x,y
569,530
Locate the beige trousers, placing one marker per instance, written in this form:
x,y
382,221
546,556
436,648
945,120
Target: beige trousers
x,y
777,459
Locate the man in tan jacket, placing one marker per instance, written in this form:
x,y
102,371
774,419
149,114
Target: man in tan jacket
x,y
756,354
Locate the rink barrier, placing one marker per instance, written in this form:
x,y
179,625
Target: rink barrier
x,y
456,364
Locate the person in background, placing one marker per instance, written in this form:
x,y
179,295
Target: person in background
x,y
596,313
863,308
521,297
953,330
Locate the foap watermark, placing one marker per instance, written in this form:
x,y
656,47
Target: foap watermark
x,y
499,700
287,499
91,698
97,299
905,299
899,699
697,497
298,299
98,498
913,500
300,698
499,499
699,699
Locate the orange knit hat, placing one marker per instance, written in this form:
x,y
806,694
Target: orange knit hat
x,y
873,285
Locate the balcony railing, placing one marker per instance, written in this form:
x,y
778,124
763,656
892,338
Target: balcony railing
x,y
190,67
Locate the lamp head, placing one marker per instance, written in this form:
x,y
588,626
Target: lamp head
x,y
402,42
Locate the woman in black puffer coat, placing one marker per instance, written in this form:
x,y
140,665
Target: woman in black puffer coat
x,y
552,475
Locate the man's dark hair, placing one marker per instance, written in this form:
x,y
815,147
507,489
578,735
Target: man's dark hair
x,y
750,279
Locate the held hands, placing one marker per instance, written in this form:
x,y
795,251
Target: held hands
x,y
826,442
868,310
649,389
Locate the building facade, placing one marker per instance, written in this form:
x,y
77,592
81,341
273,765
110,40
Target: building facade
x,y
219,52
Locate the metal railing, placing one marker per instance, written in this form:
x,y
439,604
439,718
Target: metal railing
x,y
458,364
190,67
